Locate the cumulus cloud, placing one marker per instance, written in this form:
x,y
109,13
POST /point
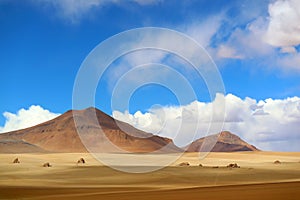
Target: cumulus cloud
x,y
283,29
246,42
271,124
272,37
26,118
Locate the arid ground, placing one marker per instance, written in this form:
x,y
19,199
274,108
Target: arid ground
x,y
257,178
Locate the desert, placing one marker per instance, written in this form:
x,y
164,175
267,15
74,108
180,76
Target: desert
x,y
257,178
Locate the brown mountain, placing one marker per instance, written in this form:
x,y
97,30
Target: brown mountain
x,y
60,135
17,146
226,142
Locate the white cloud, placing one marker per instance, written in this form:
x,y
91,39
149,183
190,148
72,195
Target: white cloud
x,y
290,61
247,42
144,56
121,69
288,49
72,10
284,26
271,124
26,118
147,2
270,38
203,31
171,49
228,52
75,10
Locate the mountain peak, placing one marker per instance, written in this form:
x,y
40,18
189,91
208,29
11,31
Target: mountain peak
x,y
228,137
91,109
227,134
226,142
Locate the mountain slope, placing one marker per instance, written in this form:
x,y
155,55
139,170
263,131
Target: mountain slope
x,y
60,135
226,142
17,146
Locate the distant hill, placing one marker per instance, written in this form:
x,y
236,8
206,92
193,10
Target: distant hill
x,y
60,135
226,142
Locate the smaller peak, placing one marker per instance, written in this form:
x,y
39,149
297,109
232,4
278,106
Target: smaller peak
x,y
91,108
227,134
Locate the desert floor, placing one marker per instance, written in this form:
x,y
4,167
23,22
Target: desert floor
x,y
257,178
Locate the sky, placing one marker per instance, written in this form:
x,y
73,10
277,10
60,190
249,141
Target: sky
x,y
254,45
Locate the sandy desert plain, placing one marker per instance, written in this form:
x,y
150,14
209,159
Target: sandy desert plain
x,y
257,178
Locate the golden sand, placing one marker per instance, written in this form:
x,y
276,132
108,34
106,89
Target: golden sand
x,y
258,177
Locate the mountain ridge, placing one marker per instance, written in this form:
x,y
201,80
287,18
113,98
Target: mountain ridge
x,y
60,134
91,130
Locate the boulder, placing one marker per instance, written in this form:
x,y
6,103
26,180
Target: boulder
x,y
277,162
184,164
233,165
47,165
16,160
81,160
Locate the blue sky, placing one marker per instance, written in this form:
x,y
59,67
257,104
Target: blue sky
x,y
43,44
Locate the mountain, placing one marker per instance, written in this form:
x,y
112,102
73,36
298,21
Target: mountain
x,y
60,135
226,142
17,146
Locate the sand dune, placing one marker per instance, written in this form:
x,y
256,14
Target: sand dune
x,y
68,180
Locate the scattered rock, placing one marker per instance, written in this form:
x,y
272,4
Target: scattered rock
x,y
233,165
200,165
47,165
277,162
81,160
16,160
184,164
